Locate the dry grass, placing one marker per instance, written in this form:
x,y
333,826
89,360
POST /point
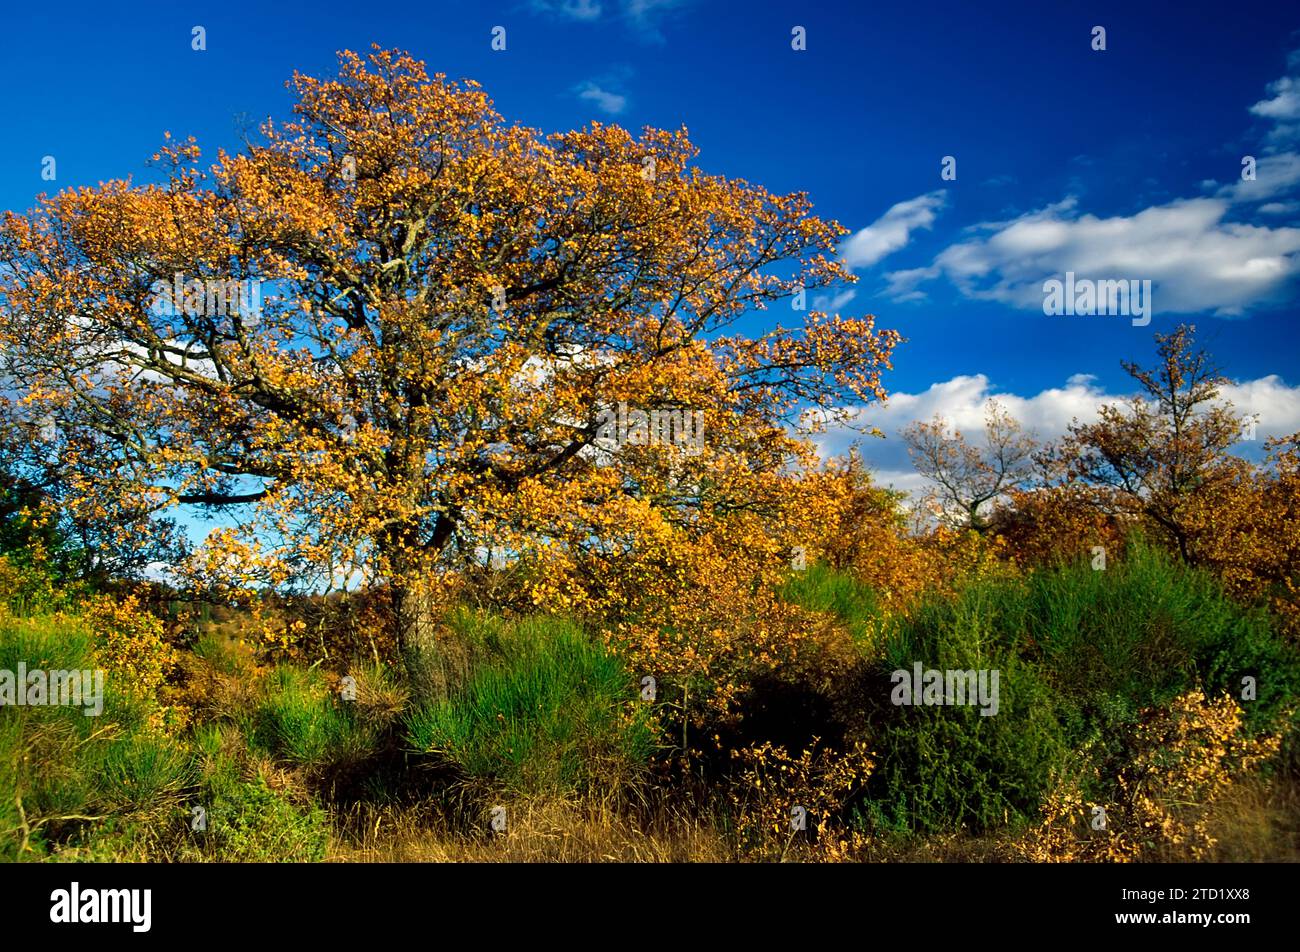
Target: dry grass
x,y
538,831
1260,822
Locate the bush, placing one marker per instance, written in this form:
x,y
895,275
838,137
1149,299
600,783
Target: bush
x,y
251,823
952,767
1180,761
63,773
1080,654
129,642
300,721
1144,631
822,589
548,711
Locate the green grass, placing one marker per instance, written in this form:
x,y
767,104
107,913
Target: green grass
x,y
547,710
820,588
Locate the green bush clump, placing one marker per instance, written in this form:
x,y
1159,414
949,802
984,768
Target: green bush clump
x,y
952,767
298,720
1147,629
546,711
248,822
63,774
112,788
853,602
1079,653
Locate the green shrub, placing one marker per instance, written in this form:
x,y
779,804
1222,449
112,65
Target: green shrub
x,y
300,721
952,767
251,823
1080,654
71,772
545,711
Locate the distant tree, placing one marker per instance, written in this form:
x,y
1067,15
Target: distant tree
x,y
1161,449
968,480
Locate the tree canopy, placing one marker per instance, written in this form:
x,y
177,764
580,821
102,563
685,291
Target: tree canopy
x,y
443,305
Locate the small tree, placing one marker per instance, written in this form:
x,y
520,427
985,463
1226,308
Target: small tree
x,y
1164,447
969,480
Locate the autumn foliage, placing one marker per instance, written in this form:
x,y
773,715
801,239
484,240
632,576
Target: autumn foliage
x,y
466,546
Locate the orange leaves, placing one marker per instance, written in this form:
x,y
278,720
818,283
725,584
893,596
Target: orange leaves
x,y
1247,530
1184,759
451,303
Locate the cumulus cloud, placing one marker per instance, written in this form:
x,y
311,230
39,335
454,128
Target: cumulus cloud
x,y
1195,258
962,401
892,230
1196,252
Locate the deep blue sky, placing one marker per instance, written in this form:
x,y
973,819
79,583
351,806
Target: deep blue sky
x,y
860,120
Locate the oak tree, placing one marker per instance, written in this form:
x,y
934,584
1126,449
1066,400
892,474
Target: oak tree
x,y
448,305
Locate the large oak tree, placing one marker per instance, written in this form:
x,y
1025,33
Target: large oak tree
x,y
449,304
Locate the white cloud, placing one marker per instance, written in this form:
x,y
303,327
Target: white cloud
x,y
963,399
892,230
1196,260
605,100
832,304
1197,257
1277,404
570,9
643,16
1285,103
902,284
1282,107
1275,175
642,11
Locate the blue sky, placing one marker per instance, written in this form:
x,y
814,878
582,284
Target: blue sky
x,y
1125,163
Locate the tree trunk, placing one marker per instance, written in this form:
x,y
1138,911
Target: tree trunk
x,y
415,617
417,635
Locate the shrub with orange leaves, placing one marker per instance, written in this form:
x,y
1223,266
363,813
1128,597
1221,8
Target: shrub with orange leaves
x,y
1057,523
867,535
722,627
777,797
1182,760
130,642
1247,530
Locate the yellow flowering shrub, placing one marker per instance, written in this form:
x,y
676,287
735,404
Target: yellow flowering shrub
x,y
23,586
